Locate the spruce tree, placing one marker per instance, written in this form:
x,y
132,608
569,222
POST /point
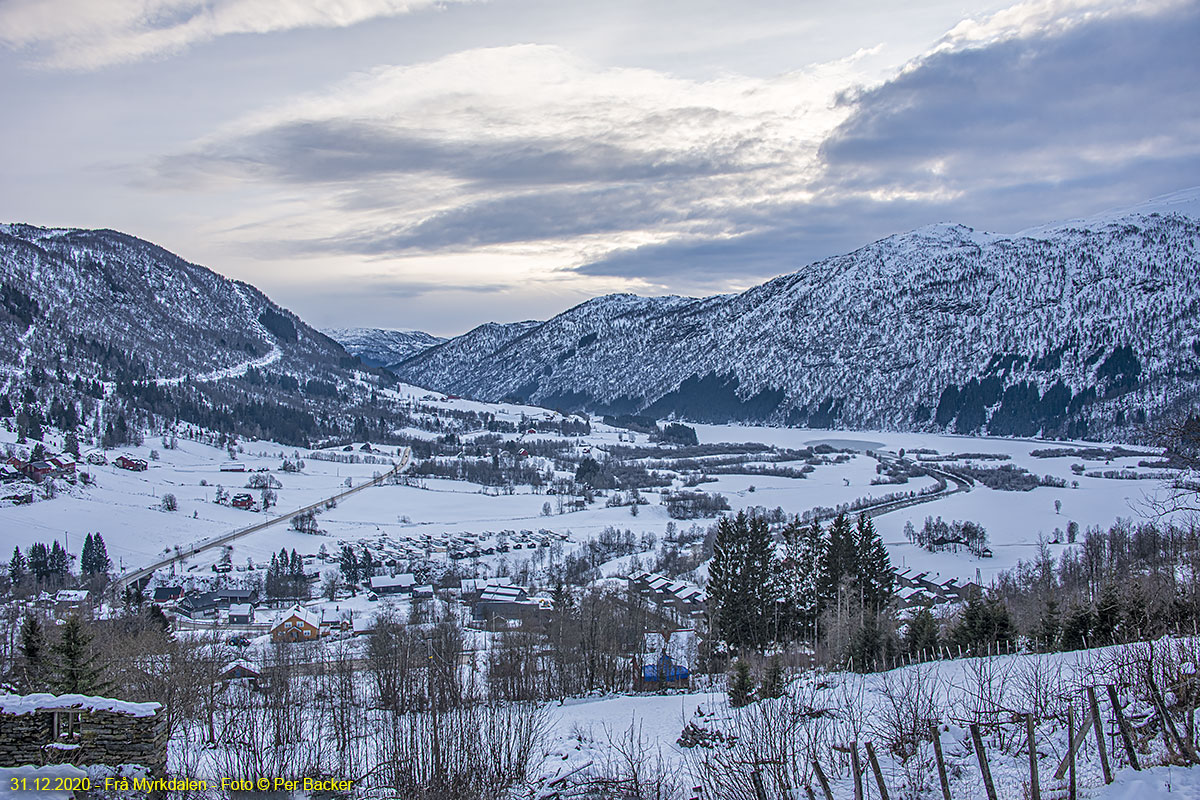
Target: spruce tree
x,y
348,563
1077,627
800,575
33,645
76,669
101,561
87,556
59,562
874,567
1108,614
741,687
18,567
841,557
39,561
1049,626
773,680
922,633
743,590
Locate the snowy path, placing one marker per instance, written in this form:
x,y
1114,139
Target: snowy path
x,y
237,369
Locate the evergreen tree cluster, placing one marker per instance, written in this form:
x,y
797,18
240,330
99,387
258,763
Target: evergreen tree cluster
x,y
49,565
757,598
94,560
285,576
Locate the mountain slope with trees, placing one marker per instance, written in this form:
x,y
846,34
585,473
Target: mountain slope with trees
x,y
1081,329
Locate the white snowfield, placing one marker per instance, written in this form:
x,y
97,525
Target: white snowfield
x,y
125,507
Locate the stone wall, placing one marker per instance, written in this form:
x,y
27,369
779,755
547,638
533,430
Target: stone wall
x,y
104,737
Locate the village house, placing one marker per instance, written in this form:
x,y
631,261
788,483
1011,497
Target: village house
x,y
684,597
665,661
70,598
241,614
334,619
298,624
397,584
241,670
167,594
506,606
132,464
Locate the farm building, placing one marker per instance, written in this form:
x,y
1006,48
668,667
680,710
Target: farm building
x,y
132,464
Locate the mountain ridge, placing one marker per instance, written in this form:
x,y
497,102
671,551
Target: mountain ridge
x,y
1075,330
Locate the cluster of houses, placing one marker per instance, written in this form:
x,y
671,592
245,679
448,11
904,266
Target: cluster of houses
x,y
237,603
16,468
685,598
916,591
457,546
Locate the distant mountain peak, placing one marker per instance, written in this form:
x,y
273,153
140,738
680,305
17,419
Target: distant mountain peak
x,y
383,347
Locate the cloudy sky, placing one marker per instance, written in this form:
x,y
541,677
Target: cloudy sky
x,y
439,163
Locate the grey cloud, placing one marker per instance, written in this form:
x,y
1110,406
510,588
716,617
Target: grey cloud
x,y
1026,131
332,151
526,217
1028,109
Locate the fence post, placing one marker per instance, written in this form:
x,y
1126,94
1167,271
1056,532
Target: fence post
x,y
759,792
1101,745
1035,788
984,769
821,779
856,767
1076,740
1071,790
941,763
1123,725
883,793
1182,747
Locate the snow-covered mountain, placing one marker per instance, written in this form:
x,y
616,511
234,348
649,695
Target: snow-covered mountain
x,y
1074,329
104,304
99,320
382,347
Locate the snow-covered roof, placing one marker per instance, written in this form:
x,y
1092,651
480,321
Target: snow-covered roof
x,y
31,703
383,581
502,594
241,663
305,615
71,596
242,609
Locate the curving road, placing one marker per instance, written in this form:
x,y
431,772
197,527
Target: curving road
x,y
144,573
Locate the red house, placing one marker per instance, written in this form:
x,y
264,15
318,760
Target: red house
x,y
132,464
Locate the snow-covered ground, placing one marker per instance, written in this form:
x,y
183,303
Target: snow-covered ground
x,y
859,707
125,507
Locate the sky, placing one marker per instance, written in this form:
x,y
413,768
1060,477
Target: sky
x,y
436,164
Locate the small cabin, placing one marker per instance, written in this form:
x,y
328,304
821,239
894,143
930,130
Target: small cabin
x,y
241,614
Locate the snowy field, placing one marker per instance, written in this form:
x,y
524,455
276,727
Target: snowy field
x,y
125,507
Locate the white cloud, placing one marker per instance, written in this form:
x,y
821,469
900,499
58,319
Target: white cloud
x,y
528,149
1032,17
88,34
